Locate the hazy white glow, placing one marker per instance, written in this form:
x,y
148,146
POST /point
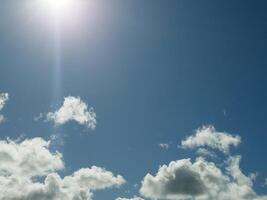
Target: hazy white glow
x,y
66,16
58,7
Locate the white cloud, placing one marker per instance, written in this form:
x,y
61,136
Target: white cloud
x,y
24,164
30,157
206,153
164,146
95,178
134,198
200,180
180,178
3,99
209,137
73,109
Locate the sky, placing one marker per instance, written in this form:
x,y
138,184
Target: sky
x,y
137,100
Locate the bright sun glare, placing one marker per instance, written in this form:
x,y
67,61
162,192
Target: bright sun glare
x,y
68,16
58,7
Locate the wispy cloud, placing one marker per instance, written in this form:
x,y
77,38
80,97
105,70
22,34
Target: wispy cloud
x,y
134,198
224,112
164,145
206,153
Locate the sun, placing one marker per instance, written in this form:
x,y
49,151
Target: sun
x,y
69,17
58,7
58,4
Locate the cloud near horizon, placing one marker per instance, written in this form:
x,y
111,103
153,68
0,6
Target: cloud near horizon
x,y
73,109
23,164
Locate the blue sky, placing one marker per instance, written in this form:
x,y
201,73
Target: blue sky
x,y
154,72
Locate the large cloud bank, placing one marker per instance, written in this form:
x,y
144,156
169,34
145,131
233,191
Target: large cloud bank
x,y
29,171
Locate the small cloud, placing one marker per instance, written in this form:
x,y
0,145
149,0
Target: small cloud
x,y
164,146
4,97
73,109
208,136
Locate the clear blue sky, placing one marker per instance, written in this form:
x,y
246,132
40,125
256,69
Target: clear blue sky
x,y
154,71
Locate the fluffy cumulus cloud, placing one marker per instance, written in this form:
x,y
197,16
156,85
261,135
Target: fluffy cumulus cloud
x,y
200,179
209,137
134,198
29,158
29,171
3,99
73,109
178,178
